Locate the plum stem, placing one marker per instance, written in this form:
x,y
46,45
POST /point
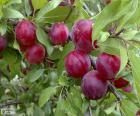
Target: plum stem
x,y
113,90
93,63
90,110
118,33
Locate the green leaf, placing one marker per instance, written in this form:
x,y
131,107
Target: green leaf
x,y
132,10
135,61
110,13
47,8
129,108
28,8
63,81
3,2
38,111
11,2
136,37
56,15
136,16
3,28
11,55
74,101
123,56
37,4
1,13
110,109
130,34
110,46
60,66
15,69
46,94
44,39
35,74
12,13
61,108
103,36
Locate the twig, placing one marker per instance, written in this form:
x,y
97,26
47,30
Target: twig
x,y
117,34
13,22
13,102
113,90
122,30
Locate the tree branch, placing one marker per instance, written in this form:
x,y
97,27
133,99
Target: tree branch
x,y
9,103
113,90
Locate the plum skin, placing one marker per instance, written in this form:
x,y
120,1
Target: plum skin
x,y
3,43
108,65
120,82
92,86
35,54
77,64
59,33
25,32
128,88
82,35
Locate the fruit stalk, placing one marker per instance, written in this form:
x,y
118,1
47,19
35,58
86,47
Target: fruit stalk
x,y
90,110
93,63
113,90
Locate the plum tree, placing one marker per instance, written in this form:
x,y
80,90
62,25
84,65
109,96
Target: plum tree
x,y
69,57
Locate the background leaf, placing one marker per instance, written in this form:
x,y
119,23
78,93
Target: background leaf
x,y
47,8
12,13
135,61
46,94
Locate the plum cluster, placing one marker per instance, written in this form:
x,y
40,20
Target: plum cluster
x,y
26,37
78,63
